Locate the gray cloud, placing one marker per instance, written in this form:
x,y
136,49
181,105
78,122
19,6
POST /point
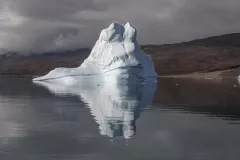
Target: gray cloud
x,y
44,25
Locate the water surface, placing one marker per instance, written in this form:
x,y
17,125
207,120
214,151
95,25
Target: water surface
x,y
177,119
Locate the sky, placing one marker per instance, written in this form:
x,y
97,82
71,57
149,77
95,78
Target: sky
x,y
56,25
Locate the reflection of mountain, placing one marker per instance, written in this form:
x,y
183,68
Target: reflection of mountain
x,y
115,107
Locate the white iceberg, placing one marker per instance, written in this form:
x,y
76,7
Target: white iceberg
x,y
115,56
115,107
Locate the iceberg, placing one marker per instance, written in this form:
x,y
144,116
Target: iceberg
x,y
116,56
116,108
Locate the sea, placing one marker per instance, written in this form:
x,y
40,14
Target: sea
x,y
173,119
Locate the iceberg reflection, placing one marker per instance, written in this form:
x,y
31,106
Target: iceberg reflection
x,y
115,106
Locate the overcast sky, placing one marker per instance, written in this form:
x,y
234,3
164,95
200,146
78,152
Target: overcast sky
x,y
42,25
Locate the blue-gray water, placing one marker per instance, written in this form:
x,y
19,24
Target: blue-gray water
x,y
178,119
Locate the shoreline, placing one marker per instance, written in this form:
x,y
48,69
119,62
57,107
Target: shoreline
x,y
226,74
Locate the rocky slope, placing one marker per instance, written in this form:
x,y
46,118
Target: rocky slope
x,y
39,64
204,55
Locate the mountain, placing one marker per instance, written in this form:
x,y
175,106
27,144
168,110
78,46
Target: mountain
x,y
203,55
227,40
39,64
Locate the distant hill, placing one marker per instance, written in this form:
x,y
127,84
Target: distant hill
x,y
228,40
38,64
203,55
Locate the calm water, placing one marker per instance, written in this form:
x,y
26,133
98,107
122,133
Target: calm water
x,y
176,120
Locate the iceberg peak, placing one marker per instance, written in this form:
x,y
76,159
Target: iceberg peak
x,y
115,56
130,32
118,32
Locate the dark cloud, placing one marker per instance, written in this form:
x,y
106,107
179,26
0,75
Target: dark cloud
x,y
42,25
